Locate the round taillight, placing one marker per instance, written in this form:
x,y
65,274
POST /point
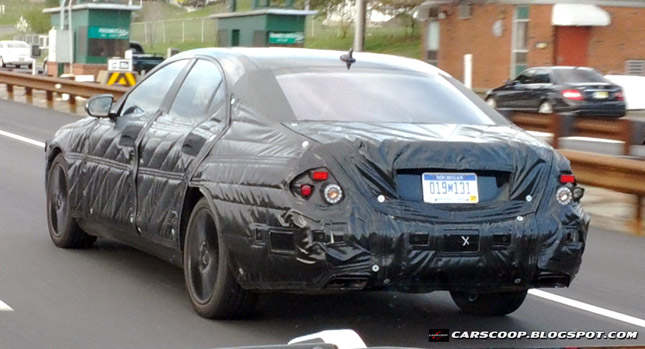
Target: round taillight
x,y
333,193
306,190
564,195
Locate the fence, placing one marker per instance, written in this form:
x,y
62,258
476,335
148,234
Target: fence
x,y
175,31
56,85
629,132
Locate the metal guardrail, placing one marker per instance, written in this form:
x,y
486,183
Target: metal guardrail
x,y
629,132
623,175
56,85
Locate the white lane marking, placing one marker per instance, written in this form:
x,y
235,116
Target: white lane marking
x,y
22,139
5,307
588,307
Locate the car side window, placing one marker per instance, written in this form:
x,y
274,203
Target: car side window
x,y
525,77
149,95
541,77
198,91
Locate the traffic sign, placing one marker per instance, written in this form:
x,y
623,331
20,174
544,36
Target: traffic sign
x,y
122,78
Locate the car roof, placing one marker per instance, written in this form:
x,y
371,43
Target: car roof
x,y
13,42
274,58
562,67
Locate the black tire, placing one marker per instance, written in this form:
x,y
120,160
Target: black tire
x,y
63,228
213,290
497,304
30,66
2,63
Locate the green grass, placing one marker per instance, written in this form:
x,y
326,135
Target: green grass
x,y
396,41
16,8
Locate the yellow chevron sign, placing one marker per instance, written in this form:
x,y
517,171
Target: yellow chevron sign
x,y
125,79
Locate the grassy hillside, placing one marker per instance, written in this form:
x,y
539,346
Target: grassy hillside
x,y
16,8
396,41
389,40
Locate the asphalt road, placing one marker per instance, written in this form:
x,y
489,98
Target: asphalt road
x,y
112,296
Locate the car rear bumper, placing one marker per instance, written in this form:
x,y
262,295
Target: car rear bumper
x,y
608,109
382,252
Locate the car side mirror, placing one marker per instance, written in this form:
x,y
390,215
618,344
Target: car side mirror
x,y
99,106
510,82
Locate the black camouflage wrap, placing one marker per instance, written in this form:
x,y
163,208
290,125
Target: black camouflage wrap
x,y
375,238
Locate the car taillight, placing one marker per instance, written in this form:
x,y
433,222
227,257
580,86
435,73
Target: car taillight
x,y
306,190
619,96
319,175
573,95
333,193
569,191
317,180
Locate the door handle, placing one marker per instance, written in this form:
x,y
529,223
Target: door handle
x,y
193,144
129,135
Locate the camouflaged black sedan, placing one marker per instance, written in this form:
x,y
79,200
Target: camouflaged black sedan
x,y
293,170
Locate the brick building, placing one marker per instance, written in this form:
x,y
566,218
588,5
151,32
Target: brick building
x,y
508,36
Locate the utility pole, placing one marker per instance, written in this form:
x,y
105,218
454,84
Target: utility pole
x,y
359,28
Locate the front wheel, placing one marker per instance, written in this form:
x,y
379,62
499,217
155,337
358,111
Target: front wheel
x,y
2,63
498,304
213,290
63,229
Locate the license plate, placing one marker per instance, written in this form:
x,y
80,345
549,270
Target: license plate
x,y
601,95
450,188
21,59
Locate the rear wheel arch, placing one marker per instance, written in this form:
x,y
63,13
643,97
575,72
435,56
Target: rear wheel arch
x,y
50,158
191,197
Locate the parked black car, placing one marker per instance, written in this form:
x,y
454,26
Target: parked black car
x,y
300,170
579,90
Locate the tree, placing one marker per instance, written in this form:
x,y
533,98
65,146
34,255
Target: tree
x,y
39,22
340,11
400,9
22,26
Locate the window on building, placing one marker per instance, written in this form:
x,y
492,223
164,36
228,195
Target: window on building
x,y
465,11
432,43
520,44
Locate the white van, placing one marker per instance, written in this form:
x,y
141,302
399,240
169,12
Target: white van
x,y
16,53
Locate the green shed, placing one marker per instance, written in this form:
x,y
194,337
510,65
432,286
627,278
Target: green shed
x,y
101,30
262,27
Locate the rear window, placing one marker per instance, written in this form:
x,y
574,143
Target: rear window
x,y
381,96
18,45
578,75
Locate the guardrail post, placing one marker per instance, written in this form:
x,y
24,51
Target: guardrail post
x,y
10,91
639,214
626,135
29,95
556,129
49,95
72,103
